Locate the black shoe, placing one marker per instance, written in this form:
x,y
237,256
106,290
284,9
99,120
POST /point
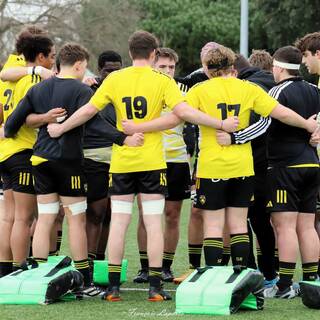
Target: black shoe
x,y
157,294
167,275
112,294
142,276
88,291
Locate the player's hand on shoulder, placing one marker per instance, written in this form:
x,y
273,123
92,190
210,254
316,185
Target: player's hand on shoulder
x,y
89,81
136,140
55,130
129,127
1,132
223,138
56,115
46,73
230,124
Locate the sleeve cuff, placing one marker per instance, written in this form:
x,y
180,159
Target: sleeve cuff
x,y
233,138
119,140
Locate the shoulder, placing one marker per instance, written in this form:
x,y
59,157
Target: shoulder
x,y
276,91
161,74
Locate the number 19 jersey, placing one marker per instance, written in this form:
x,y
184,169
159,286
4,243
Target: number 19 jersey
x,y
221,98
138,94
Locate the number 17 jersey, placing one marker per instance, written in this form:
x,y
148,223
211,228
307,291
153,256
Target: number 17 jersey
x,y
138,94
221,98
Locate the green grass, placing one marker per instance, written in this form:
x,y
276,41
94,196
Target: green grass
x,y
134,304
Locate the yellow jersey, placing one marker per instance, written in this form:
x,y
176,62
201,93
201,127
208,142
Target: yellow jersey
x,y
138,93
220,98
26,137
7,87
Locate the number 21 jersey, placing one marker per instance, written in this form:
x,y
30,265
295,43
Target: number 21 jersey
x,y
138,94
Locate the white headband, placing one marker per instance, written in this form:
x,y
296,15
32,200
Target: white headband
x,y
289,66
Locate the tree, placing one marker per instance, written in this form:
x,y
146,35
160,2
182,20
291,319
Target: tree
x,y
186,25
55,15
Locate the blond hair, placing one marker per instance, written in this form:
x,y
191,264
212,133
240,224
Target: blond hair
x,y
219,61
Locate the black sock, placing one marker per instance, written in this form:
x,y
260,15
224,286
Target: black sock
x,y
155,277
195,251
240,247
310,271
276,259
213,248
5,268
59,241
144,260
83,267
92,256
226,256
30,249
286,272
167,260
260,259
114,275
40,260
15,266
100,256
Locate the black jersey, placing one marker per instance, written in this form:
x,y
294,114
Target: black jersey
x,y
288,145
68,93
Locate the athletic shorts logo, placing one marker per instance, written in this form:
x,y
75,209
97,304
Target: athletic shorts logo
x,y
75,182
202,199
269,205
281,196
24,178
163,179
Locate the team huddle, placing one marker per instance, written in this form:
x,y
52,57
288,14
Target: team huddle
x,y
83,148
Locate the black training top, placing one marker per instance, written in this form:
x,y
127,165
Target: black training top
x,y
67,93
288,145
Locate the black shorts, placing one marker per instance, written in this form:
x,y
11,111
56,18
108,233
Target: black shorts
x,y
179,181
215,194
16,172
293,189
154,181
97,176
64,178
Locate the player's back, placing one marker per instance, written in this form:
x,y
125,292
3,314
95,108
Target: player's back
x,y
138,94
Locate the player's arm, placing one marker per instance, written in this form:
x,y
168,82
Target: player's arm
x,y
246,135
187,113
165,122
16,73
55,115
17,117
291,118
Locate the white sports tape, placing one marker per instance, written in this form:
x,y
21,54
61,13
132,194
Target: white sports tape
x,y
77,208
119,206
289,66
153,207
49,208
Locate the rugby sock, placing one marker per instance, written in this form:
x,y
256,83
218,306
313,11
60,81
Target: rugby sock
x,y
144,260
92,256
83,267
240,247
30,249
114,275
309,271
155,277
5,268
226,256
276,259
213,248
40,260
167,260
15,266
59,241
260,259
194,251
286,272
101,256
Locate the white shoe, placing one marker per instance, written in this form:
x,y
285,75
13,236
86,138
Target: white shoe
x,y
274,292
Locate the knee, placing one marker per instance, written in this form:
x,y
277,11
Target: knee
x,y
94,218
172,219
196,215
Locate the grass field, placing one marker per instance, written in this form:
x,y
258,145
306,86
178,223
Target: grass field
x,y
134,304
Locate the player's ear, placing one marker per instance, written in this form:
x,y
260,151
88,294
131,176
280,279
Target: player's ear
x,y
317,54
